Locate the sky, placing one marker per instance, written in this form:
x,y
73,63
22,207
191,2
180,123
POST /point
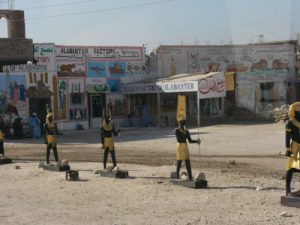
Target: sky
x,y
156,22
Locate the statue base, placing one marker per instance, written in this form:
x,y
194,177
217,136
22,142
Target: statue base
x,y
114,174
197,184
290,201
52,167
5,161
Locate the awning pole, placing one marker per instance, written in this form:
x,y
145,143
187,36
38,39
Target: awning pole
x,y
158,109
198,125
198,110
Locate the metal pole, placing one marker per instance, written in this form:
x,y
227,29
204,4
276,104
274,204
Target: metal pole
x,y
158,109
198,110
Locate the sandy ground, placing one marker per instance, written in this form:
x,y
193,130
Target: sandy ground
x,y
245,192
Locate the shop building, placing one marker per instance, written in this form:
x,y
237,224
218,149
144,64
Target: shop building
x,y
265,74
78,83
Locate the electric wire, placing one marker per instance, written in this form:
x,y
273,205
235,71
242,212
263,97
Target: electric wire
x,y
103,10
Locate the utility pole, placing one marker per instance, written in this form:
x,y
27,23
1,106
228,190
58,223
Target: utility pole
x,y
11,4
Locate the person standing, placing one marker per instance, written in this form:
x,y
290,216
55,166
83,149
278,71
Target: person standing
x,y
50,134
35,126
182,151
107,131
18,128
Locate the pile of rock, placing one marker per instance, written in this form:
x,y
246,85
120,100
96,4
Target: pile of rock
x,y
281,113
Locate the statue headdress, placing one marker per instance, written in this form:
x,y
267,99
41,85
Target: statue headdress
x,y
181,108
293,108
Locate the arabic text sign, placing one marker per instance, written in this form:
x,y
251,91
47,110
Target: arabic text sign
x,y
100,53
212,87
160,87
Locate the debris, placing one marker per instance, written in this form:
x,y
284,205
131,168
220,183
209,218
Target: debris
x,y
200,176
285,214
280,113
72,175
259,187
232,162
109,168
17,167
184,176
96,171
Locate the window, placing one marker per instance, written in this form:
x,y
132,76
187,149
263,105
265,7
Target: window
x,y
77,99
3,27
266,91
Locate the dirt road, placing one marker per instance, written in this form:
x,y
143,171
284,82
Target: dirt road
x,y
244,172
255,145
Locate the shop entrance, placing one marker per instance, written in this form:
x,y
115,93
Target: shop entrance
x,y
96,104
38,105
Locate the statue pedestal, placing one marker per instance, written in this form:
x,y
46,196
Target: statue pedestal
x,y
197,184
290,201
5,161
114,174
52,167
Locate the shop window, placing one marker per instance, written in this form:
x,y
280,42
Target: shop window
x,y
168,102
77,99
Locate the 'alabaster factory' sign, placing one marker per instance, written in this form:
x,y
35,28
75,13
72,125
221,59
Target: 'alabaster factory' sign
x,y
100,53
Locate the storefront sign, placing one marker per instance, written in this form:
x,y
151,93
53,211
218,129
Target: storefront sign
x,y
212,87
99,53
161,87
96,85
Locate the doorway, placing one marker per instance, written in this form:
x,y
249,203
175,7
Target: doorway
x,y
38,105
96,104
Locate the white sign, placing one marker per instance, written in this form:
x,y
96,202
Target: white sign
x,y
96,85
100,53
212,87
161,87
96,80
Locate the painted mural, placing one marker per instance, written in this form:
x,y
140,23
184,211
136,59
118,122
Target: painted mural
x,y
12,92
136,68
114,86
96,69
62,99
76,90
117,69
117,105
107,69
274,59
71,68
78,114
252,64
96,85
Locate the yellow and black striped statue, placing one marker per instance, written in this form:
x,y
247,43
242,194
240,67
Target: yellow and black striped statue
x,y
182,135
50,134
107,131
292,142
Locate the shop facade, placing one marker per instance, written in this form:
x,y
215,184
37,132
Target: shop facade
x,y
158,98
78,83
265,74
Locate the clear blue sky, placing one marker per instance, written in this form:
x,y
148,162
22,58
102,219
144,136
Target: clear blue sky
x,y
155,22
